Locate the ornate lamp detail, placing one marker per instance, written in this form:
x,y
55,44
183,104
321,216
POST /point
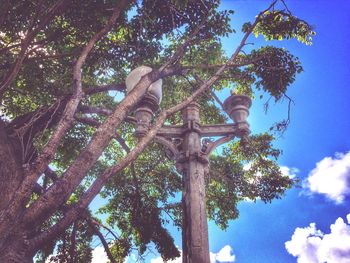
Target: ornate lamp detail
x,y
149,104
237,107
185,147
134,77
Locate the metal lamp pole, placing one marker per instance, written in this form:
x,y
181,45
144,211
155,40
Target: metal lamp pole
x,y
191,155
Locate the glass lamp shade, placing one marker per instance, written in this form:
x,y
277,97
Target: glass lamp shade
x,y
134,77
237,107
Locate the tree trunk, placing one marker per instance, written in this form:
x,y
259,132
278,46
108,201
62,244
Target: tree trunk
x,y
11,172
16,150
15,249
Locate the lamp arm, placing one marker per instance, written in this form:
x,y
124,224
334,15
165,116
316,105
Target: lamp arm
x,y
168,144
211,146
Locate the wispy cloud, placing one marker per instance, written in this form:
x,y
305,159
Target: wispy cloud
x,y
289,171
310,245
99,255
224,255
331,177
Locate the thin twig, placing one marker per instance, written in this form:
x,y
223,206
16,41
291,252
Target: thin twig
x,y
217,99
285,5
103,240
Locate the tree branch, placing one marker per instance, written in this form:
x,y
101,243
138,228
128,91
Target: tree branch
x,y
25,44
50,173
103,240
103,88
198,79
105,227
97,185
40,42
86,159
8,216
90,109
89,121
96,124
5,6
72,251
181,49
77,171
281,127
243,62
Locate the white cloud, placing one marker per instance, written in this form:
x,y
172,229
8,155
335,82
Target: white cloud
x,y
289,171
331,177
224,255
160,260
99,255
285,170
310,245
157,260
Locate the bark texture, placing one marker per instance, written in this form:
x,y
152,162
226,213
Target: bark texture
x,y
11,172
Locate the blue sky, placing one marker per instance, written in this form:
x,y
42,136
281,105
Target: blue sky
x,y
319,128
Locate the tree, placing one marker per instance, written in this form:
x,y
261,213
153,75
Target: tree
x,y
66,134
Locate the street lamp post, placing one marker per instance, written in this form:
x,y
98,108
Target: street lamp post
x,y
191,155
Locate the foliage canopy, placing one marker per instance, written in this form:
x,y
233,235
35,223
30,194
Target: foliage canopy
x,y
41,44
